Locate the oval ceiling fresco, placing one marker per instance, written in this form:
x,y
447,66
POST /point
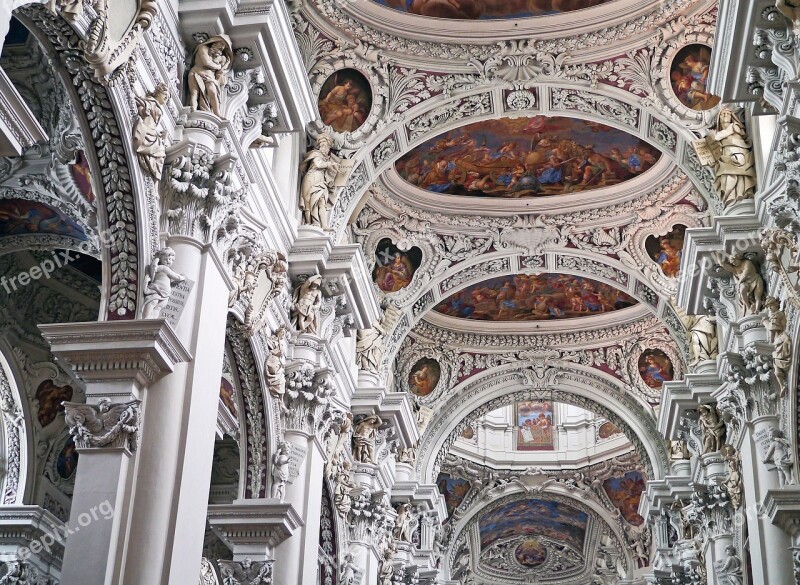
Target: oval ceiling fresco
x,y
534,297
487,9
534,517
526,157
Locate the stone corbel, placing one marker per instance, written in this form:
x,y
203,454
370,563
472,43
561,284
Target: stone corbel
x,y
246,572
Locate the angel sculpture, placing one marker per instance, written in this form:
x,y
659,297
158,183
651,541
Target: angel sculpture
x,y
159,280
148,137
774,318
105,424
245,573
369,342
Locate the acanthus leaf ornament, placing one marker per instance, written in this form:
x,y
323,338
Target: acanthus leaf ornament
x,y
246,572
104,425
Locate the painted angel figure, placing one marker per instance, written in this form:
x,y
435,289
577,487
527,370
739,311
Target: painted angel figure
x,y
317,190
103,424
245,573
148,136
159,280
209,74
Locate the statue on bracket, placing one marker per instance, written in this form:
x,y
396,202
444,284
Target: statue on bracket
x,y
275,364
749,283
402,524
733,483
726,148
732,566
148,136
280,472
782,360
370,342
703,338
343,490
211,63
386,571
713,429
307,299
318,189
774,318
779,452
158,283
364,436
348,572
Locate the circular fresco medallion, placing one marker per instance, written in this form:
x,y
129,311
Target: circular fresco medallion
x,y
688,75
530,553
345,100
655,367
487,9
424,376
667,250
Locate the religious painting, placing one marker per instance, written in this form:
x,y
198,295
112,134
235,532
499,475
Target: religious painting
x,y
67,460
689,77
468,433
534,297
82,176
667,250
23,217
345,100
625,493
227,395
424,376
534,517
526,157
394,268
530,553
49,396
453,489
608,430
534,426
487,9
655,367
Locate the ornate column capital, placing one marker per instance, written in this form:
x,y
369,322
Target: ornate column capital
x,y
246,572
103,424
117,351
253,528
712,508
307,406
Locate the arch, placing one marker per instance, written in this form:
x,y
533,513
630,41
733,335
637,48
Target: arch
x,y
555,379
16,485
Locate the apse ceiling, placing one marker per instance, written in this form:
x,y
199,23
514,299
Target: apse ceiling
x,y
522,184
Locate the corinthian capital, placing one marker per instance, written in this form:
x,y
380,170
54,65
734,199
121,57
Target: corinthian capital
x,y
103,425
713,510
307,401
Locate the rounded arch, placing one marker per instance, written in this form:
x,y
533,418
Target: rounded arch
x,y
16,440
552,378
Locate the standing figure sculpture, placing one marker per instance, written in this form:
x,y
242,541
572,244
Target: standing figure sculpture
x,y
386,570
735,167
209,74
782,361
275,364
280,472
159,280
732,567
402,524
347,576
713,429
343,490
307,299
364,438
317,190
774,319
779,452
148,136
749,284
704,341
733,483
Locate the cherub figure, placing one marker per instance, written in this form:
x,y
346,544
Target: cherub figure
x,y
159,280
779,452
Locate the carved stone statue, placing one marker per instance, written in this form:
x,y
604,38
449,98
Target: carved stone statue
x,y
678,450
148,136
386,571
347,576
209,74
317,191
732,568
749,284
774,318
791,10
782,360
158,283
275,364
370,342
246,572
402,524
307,299
735,169
703,335
733,483
342,492
779,452
103,425
364,438
71,10
335,459
713,429
406,455
280,472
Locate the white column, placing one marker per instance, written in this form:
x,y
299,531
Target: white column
x,y
117,359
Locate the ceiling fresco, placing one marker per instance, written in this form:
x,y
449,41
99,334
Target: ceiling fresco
x,y
528,297
488,9
526,157
534,517
625,493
